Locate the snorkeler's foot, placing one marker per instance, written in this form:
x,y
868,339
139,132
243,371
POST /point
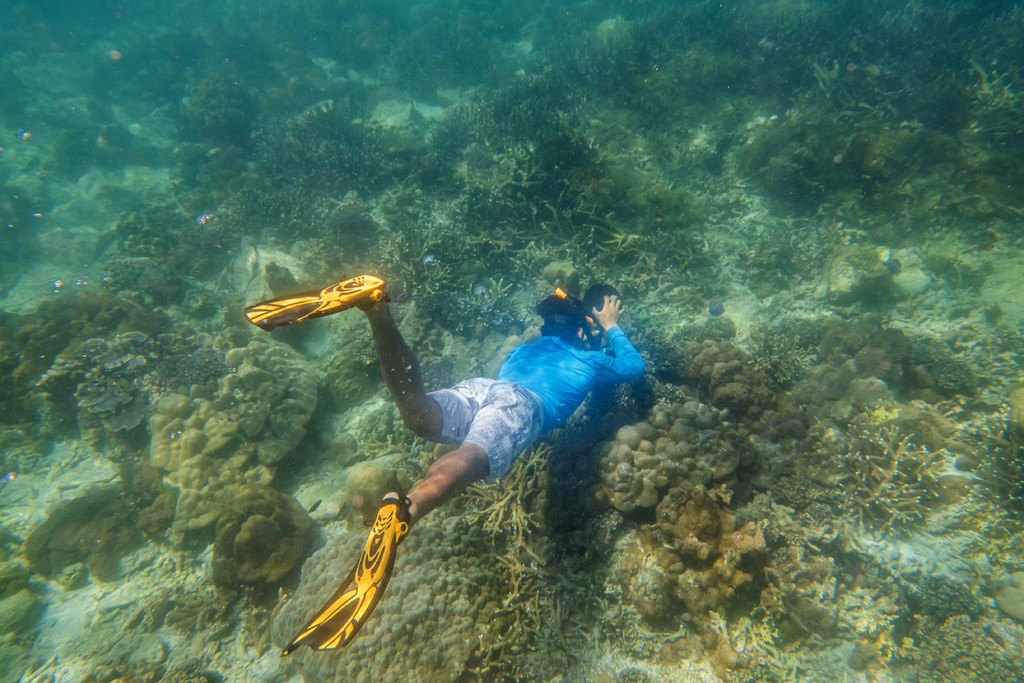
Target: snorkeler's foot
x,y
365,290
338,621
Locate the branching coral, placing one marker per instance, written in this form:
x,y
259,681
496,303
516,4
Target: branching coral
x,y
513,508
893,481
515,501
960,645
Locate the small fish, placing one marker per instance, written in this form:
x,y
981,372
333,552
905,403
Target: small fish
x,y
893,265
314,506
429,258
8,478
203,218
716,308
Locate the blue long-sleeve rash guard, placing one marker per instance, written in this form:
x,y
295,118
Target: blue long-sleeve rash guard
x,y
562,375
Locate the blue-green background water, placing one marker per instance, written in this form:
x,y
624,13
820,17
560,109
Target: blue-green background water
x,y
824,482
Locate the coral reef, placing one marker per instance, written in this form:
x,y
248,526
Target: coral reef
x,y
695,555
959,645
825,488
115,380
892,482
433,620
258,410
260,539
32,342
688,442
727,375
93,530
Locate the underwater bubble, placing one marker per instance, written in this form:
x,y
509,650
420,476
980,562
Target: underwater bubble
x,y
716,308
429,258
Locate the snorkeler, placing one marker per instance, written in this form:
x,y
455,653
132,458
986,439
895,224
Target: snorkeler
x,y
540,384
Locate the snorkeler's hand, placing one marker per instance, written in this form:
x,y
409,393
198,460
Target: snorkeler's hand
x,y
610,312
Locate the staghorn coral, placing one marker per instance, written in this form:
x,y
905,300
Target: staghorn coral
x,y
892,482
1008,451
783,350
512,508
938,597
329,149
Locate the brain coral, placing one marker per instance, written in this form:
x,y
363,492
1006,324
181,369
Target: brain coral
x,y
439,612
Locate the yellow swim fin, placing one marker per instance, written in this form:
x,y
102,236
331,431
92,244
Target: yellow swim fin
x,y
285,310
338,621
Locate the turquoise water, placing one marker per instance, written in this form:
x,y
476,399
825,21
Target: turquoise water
x,y
813,213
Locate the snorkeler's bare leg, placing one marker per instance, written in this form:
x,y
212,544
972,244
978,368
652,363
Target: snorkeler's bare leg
x,y
421,414
447,477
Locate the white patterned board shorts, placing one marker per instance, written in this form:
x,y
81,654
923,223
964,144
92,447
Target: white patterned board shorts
x,y
503,418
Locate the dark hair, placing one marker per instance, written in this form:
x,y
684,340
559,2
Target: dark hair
x,y
564,317
594,298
